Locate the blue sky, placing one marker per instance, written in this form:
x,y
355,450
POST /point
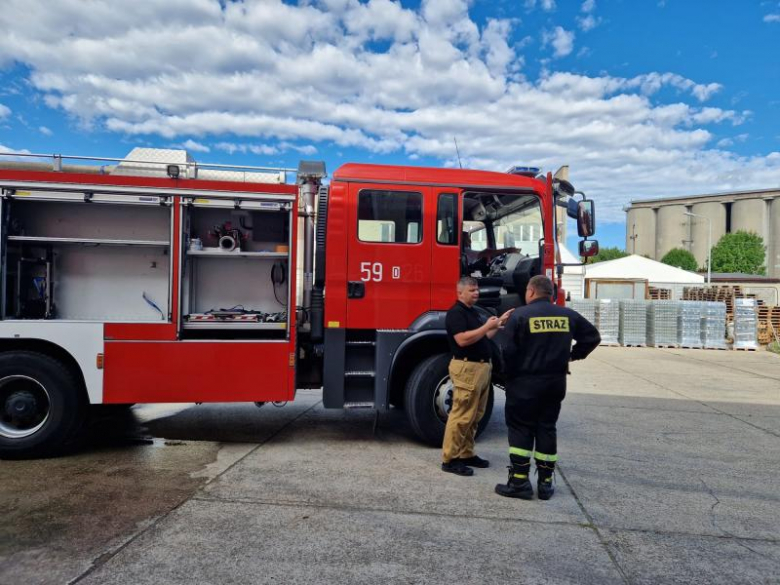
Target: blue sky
x,y
642,98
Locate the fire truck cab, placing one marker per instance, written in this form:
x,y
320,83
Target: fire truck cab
x,y
158,279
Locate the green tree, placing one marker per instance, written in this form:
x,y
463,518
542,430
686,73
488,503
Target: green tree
x,y
739,252
605,254
681,259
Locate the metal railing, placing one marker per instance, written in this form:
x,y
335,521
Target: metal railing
x,y
58,158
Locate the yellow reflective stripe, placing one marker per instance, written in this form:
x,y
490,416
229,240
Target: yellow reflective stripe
x,y
544,457
520,452
520,475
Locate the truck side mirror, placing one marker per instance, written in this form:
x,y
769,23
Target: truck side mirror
x,y
589,248
586,218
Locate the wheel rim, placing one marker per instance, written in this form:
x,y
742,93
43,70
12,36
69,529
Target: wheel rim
x,y
442,398
24,406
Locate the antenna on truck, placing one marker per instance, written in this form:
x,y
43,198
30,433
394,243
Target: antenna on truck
x,y
457,151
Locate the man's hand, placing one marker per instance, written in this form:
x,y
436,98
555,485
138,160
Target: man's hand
x,y
492,323
505,317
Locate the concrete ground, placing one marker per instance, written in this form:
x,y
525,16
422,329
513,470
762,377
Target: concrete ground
x,y
669,474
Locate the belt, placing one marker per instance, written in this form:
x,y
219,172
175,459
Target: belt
x,y
475,361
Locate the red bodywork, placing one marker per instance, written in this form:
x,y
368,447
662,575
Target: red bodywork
x,y
428,270
147,362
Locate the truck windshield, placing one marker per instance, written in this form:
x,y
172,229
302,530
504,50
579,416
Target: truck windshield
x,y
505,221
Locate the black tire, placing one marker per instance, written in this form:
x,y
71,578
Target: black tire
x,y
420,400
56,401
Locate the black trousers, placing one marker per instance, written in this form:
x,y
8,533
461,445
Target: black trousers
x,y
533,404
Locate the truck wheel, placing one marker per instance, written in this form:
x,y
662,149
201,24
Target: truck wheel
x,y
428,400
42,406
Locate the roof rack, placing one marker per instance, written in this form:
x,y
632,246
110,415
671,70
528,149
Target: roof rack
x,y
151,162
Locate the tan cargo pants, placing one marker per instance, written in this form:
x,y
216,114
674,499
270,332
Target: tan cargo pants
x,y
471,384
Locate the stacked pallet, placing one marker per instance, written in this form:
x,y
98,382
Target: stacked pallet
x,y
585,307
608,321
768,323
660,294
633,323
722,294
713,325
745,324
691,313
662,323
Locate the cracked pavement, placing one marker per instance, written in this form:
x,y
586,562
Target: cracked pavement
x,y
668,474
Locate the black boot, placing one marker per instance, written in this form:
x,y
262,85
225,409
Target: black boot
x,y
544,486
517,486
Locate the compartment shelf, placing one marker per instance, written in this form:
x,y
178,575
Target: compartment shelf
x,y
245,326
89,241
217,253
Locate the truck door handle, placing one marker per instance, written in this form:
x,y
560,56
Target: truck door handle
x,y
356,289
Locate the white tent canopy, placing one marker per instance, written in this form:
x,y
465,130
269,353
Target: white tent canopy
x,y
657,274
636,266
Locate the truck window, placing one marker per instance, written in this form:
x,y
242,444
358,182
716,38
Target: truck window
x,y
390,217
521,229
447,219
478,233
500,221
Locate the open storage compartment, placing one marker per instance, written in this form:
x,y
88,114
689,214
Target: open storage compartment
x,y
74,258
236,269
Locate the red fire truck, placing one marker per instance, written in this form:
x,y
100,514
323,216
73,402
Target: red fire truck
x,y
157,279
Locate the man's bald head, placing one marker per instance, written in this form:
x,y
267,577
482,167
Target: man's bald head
x,y
540,287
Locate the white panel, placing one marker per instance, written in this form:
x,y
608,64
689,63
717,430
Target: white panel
x,y
107,283
90,220
223,284
82,340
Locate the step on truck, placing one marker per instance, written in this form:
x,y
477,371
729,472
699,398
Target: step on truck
x,y
158,279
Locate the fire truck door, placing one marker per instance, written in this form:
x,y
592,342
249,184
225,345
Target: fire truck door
x,y
389,256
446,252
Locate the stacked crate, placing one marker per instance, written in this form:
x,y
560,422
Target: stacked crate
x,y
633,323
662,323
768,323
745,324
608,321
690,324
585,307
713,325
660,294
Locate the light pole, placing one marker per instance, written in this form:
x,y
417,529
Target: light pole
x,y
709,244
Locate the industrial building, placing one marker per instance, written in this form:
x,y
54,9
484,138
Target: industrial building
x,y
655,226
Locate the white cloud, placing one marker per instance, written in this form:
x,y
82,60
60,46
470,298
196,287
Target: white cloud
x,y
267,77
588,22
4,148
265,149
546,5
193,146
561,40
5,111
772,18
45,131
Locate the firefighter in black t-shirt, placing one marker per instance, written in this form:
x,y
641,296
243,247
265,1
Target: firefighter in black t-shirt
x,y
470,371
536,355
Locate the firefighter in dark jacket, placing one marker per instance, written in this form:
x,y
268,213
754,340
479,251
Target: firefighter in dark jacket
x,y
538,349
